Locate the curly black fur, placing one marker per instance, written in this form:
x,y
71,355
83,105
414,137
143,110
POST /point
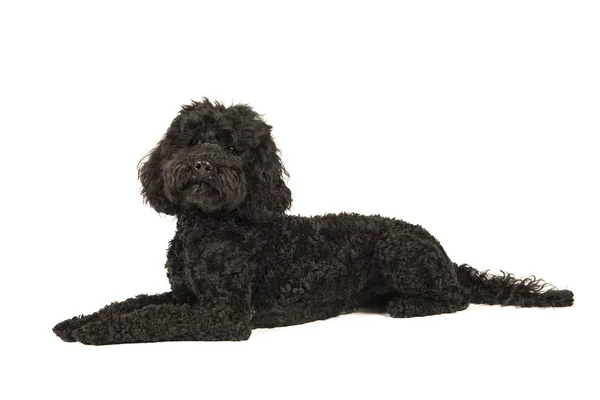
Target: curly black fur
x,y
238,262
506,290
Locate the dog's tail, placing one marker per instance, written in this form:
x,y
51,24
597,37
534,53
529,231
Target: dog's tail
x,y
506,290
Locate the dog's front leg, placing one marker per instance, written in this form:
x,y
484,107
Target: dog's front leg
x,y
224,297
166,322
111,312
221,312
65,329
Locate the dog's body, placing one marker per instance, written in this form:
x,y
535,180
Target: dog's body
x,y
238,262
301,269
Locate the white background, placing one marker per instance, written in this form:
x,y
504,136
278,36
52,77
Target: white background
x,y
478,120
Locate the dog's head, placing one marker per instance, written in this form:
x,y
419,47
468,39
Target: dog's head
x,y
216,160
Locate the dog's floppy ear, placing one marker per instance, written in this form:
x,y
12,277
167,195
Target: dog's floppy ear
x,y
151,177
268,194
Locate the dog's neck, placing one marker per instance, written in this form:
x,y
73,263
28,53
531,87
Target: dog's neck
x,y
190,217
202,218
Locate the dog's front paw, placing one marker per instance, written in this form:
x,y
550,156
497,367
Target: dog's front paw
x,y
64,330
97,333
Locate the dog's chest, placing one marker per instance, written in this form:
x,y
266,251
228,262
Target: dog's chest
x,y
213,248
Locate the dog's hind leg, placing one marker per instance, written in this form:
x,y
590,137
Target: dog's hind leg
x,y
65,329
166,322
421,277
405,306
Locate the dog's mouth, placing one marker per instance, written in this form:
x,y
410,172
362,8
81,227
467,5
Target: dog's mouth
x,y
222,191
200,186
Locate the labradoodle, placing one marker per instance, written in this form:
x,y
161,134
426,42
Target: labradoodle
x,y
238,262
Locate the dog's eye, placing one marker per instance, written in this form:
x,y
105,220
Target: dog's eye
x,y
233,150
193,142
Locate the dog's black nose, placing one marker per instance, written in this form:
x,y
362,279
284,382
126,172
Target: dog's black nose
x,y
204,167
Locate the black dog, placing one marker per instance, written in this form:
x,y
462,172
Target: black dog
x,y
237,262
